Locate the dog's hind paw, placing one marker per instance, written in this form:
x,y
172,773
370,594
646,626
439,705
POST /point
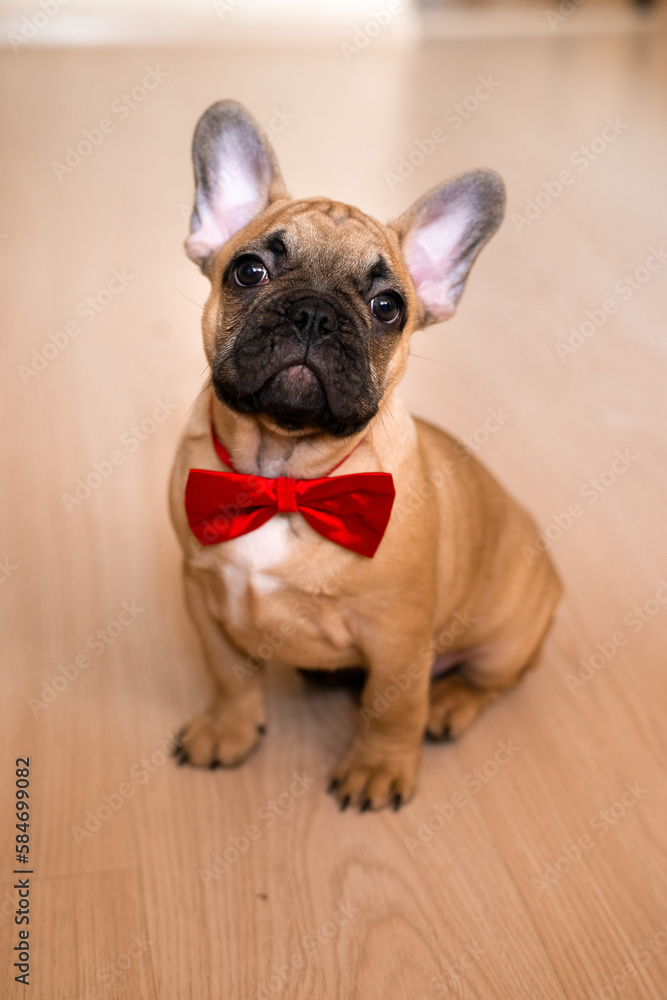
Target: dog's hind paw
x,y
454,704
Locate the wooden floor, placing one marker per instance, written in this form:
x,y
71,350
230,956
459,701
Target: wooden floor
x,y
145,882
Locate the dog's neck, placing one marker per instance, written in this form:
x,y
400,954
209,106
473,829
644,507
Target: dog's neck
x,y
259,449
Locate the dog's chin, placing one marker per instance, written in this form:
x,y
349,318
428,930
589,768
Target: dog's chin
x,y
293,399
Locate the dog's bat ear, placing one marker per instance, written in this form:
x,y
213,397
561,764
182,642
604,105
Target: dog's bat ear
x,y
442,233
236,176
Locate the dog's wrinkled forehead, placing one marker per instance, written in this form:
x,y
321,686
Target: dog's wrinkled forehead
x,y
328,245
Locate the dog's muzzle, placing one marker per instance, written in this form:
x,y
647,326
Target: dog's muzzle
x,y
303,362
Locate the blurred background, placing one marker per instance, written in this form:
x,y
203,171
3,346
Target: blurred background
x,y
231,22
553,372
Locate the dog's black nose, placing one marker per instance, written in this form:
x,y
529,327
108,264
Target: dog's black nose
x,y
313,317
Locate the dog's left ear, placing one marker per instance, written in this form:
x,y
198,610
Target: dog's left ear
x,y
442,233
236,176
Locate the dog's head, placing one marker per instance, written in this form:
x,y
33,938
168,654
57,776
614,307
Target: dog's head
x,y
312,302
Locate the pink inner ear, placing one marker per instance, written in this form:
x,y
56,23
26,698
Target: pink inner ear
x,y
431,254
233,202
214,231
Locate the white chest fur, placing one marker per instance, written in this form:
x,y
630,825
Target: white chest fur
x,y
254,566
274,580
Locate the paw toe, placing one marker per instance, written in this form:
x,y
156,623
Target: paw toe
x,y
370,783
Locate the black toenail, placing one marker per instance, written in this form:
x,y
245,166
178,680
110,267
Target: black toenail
x,y
214,764
398,801
261,729
443,737
345,803
333,785
183,759
365,805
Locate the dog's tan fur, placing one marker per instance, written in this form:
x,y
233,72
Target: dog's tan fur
x,y
451,553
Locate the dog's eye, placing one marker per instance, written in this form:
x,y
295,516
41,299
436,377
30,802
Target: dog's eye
x,y
386,307
250,271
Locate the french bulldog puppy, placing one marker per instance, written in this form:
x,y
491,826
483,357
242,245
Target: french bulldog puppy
x,y
282,488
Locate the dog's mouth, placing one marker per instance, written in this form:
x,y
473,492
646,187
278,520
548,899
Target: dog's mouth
x,y
295,397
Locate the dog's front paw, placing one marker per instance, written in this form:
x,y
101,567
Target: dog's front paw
x,y
222,736
369,778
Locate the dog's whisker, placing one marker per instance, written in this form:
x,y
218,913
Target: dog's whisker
x,y
201,392
313,447
188,299
422,357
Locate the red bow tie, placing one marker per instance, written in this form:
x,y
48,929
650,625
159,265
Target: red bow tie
x,y
352,511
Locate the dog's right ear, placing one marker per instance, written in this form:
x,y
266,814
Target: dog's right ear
x,y
236,176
